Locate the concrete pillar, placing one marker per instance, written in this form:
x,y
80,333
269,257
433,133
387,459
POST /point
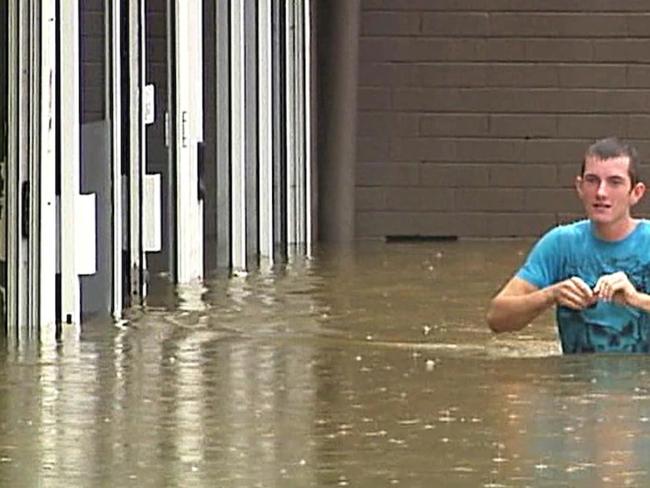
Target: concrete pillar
x,y
338,28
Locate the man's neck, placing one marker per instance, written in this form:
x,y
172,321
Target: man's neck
x,y
615,231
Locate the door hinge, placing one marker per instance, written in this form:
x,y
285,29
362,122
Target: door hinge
x,y
184,135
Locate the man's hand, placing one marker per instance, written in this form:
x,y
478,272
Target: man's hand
x,y
616,287
574,293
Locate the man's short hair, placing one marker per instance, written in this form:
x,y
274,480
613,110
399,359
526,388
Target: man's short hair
x,y
613,147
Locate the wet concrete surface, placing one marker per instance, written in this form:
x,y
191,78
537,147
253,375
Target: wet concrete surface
x,y
364,367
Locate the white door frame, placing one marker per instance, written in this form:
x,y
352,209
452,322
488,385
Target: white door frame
x,y
31,172
114,115
291,134
237,136
137,153
309,99
70,163
76,223
13,214
46,218
265,127
188,107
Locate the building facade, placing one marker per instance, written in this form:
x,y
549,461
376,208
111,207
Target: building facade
x,y
174,137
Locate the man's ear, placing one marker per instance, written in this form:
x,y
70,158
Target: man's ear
x,y
578,184
637,192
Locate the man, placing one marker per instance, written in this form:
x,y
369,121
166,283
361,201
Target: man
x,y
595,271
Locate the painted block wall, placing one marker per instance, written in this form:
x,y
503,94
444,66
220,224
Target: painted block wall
x,y
474,115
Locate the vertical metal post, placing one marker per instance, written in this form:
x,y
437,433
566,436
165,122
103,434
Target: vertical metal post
x,y
195,86
264,127
279,74
30,200
15,266
170,137
250,132
238,135
70,160
223,108
114,112
142,38
136,149
299,120
308,132
45,219
290,141
189,123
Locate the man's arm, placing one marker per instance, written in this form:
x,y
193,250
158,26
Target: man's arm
x,y
640,301
517,304
520,302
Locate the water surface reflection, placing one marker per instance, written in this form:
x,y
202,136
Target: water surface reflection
x,y
366,367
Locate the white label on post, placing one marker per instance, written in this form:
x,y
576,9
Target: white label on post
x,y
151,214
149,104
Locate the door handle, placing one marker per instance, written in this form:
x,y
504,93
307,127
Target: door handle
x,y
25,208
200,190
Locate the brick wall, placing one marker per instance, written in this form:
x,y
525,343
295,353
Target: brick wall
x,y
474,115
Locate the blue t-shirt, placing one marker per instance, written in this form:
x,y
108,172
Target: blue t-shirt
x,y
574,250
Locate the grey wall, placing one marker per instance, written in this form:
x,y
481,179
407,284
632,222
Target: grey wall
x,y
474,115
96,289
95,154
93,63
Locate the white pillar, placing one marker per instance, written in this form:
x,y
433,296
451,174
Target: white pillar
x,y
238,136
70,159
265,123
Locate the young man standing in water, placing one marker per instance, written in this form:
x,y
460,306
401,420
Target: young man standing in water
x,y
596,272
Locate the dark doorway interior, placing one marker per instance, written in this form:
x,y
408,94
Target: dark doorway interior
x,y
4,125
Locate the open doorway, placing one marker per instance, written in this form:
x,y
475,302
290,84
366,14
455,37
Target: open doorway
x,y
161,263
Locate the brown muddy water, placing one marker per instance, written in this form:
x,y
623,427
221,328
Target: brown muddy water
x,y
370,367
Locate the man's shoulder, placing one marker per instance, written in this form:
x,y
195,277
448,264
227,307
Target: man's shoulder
x,y
562,238
644,226
570,230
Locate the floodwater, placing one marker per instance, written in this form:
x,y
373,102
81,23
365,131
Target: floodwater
x,y
370,367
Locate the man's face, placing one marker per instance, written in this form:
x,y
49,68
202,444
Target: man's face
x,y
606,190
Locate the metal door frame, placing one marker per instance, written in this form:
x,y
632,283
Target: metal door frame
x,y
137,150
31,171
114,116
14,268
185,66
70,157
